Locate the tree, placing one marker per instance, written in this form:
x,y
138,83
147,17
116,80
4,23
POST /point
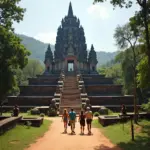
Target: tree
x,y
126,38
115,72
13,54
143,15
143,77
33,68
9,12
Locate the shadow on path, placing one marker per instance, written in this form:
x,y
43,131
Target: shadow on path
x,y
104,147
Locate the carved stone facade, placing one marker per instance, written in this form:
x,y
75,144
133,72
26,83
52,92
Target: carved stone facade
x,y
70,49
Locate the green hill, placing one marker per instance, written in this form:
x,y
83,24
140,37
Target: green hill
x,y
38,49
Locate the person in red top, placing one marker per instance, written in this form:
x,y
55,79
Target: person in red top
x,y
82,121
65,118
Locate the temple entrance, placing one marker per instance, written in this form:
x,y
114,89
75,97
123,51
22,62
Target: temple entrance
x,y
70,66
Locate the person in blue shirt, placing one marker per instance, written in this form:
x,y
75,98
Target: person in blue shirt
x,y
72,119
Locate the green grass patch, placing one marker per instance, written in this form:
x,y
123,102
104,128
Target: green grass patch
x,y
120,135
21,136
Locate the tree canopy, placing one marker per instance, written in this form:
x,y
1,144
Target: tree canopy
x,y
13,54
140,21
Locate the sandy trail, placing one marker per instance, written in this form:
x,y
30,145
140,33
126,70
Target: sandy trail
x,y
55,140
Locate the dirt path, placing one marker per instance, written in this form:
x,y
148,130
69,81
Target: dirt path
x,y
55,140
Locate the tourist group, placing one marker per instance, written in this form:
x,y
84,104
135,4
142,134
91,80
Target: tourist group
x,y
69,119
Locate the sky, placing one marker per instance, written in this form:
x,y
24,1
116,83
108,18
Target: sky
x,y
43,17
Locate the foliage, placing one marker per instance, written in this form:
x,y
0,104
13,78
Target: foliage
x,y
13,54
146,107
29,112
121,135
52,112
42,115
96,114
115,72
139,22
33,68
120,3
143,76
28,124
103,111
101,70
127,38
20,137
35,111
10,12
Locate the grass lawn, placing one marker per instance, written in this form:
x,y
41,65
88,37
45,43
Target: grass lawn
x,y
22,136
121,136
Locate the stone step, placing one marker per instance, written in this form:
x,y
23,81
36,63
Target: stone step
x,y
71,92
70,101
70,95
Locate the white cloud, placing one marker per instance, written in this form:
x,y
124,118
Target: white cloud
x,y
46,37
98,11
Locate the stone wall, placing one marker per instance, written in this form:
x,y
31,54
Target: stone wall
x,y
96,81
39,90
104,89
43,81
110,100
29,100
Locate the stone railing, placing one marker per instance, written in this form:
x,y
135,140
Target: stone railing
x,y
8,123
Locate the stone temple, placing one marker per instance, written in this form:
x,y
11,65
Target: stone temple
x,y
70,53
70,78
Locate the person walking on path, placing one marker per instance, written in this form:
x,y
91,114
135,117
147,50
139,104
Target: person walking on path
x,y
89,118
72,120
82,121
65,118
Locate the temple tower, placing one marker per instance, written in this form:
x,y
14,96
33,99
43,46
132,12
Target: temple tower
x,y
70,53
92,60
49,61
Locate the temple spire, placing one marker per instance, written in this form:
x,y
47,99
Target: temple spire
x,y
70,11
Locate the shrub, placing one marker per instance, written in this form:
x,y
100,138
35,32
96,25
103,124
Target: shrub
x,y
28,123
35,111
146,107
103,111
29,112
42,115
110,111
96,114
52,113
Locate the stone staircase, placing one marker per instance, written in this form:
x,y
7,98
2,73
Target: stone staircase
x,y
70,95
